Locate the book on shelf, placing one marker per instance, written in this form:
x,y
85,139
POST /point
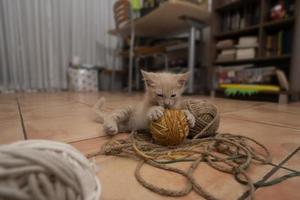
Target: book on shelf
x,y
246,47
228,51
248,15
247,41
279,43
290,7
248,53
226,55
225,44
234,67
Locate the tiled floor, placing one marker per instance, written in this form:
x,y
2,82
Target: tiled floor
x,y
69,117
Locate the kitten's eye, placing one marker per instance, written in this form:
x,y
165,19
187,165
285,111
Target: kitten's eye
x,y
173,95
160,95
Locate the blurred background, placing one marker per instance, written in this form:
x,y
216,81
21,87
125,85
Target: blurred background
x,y
237,49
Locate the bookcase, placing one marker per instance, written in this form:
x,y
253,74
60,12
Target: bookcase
x,y
274,26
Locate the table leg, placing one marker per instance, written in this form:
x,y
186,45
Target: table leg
x,y
115,62
192,40
137,73
166,62
131,55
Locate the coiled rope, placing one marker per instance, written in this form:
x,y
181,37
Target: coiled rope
x,y
232,154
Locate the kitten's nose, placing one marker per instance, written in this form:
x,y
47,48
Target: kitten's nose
x,y
167,104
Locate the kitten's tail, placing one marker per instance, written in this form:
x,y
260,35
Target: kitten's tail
x,y
98,109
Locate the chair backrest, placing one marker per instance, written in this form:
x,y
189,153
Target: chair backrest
x,y
122,12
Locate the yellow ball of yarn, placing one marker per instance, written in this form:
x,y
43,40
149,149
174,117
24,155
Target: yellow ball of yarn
x,y
171,129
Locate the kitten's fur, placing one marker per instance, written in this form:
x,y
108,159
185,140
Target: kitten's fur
x,y
163,90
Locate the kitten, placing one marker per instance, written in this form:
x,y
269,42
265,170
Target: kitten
x,y
163,91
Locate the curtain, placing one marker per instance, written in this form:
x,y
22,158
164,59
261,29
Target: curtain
x,y
38,38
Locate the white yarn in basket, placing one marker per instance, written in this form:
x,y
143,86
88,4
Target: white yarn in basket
x,y
46,170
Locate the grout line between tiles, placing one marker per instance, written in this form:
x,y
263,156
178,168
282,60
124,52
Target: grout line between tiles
x,y
258,106
281,111
22,120
264,122
84,103
244,109
93,138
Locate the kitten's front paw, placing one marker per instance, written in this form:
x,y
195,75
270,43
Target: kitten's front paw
x,y
155,113
110,128
190,118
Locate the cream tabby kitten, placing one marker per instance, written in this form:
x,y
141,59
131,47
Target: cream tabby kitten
x,y
163,91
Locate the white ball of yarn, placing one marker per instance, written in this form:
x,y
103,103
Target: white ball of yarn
x,y
46,170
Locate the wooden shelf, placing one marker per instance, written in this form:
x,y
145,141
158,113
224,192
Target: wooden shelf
x,y
233,5
245,31
279,23
255,60
254,29
226,13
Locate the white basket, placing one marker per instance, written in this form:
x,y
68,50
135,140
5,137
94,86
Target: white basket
x,y
83,80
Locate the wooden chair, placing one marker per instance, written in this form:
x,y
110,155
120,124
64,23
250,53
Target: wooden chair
x,y
123,16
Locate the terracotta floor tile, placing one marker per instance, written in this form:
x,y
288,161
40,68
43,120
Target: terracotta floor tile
x,y
295,104
7,98
9,111
92,98
292,108
90,146
93,145
223,185
286,190
280,141
229,105
66,129
88,98
269,115
117,172
10,121
56,111
35,100
68,117
10,131
60,119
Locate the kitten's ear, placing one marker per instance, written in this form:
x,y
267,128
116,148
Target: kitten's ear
x,y
148,78
182,79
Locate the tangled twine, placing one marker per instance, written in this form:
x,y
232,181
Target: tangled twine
x,y
45,170
171,129
227,153
206,115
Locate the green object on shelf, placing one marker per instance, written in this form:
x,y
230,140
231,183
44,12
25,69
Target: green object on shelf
x,y
244,89
239,91
136,5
